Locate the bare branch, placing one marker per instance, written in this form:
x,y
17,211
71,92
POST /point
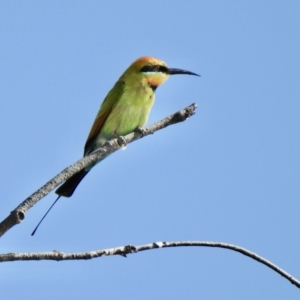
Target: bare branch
x,y
129,249
18,214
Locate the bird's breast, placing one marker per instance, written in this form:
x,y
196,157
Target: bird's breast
x,y
131,111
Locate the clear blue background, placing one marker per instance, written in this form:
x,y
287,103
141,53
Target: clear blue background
x,y
230,173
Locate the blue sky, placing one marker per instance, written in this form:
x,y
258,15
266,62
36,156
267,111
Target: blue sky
x,y
229,174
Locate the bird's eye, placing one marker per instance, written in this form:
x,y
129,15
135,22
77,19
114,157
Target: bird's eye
x,y
156,68
147,69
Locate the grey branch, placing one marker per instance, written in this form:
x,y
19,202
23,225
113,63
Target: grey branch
x,y
18,214
129,249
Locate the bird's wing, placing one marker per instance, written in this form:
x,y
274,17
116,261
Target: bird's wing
x,y
108,104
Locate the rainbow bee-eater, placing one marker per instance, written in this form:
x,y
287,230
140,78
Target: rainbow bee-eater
x,y
125,109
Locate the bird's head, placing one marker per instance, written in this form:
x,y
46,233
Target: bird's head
x,y
153,71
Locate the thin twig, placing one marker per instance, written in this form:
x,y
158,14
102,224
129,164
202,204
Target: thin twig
x,y
18,214
129,249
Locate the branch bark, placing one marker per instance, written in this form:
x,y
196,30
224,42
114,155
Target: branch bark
x,y
130,249
18,214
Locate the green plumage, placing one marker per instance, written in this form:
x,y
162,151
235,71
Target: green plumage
x,y
126,107
129,108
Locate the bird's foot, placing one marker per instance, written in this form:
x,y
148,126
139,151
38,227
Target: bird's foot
x,y
122,141
141,131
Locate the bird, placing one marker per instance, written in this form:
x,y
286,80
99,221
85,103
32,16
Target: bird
x,y
125,109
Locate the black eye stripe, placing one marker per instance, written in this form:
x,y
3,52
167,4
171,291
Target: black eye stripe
x,y
147,69
163,69
155,68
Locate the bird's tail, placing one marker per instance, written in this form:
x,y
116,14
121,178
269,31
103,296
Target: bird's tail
x,y
66,190
69,186
37,226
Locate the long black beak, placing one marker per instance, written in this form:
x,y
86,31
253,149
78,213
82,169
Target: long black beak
x,y
179,71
